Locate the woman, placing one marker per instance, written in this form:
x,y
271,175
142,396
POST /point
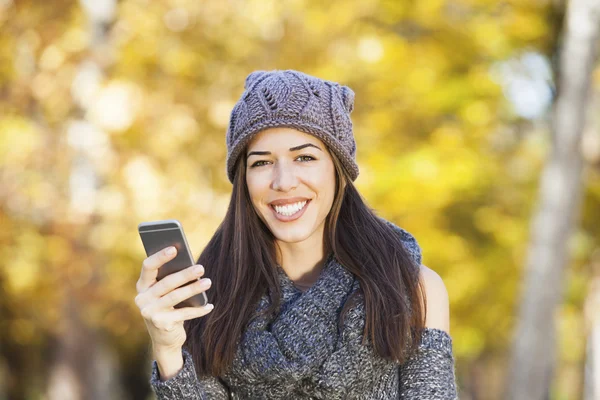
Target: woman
x,y
315,297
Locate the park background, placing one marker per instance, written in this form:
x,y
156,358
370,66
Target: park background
x,y
113,113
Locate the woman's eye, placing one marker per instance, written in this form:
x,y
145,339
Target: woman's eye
x,y
309,157
256,164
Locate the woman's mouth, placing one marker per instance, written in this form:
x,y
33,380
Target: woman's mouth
x,y
290,212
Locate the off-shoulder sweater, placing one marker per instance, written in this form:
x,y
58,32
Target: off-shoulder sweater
x,y
349,371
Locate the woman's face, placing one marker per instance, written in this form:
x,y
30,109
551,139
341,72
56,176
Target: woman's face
x,y
291,180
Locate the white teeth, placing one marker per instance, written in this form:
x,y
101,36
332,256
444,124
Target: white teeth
x,y
290,209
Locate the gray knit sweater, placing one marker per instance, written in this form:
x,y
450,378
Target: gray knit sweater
x,y
301,354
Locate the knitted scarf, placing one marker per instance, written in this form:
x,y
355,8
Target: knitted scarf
x,y
302,353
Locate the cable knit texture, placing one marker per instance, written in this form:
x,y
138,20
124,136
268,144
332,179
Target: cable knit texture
x,y
301,354
297,100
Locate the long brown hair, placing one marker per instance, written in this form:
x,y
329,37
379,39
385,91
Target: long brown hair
x,y
240,260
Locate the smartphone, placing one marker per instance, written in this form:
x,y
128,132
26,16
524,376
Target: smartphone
x,y
158,235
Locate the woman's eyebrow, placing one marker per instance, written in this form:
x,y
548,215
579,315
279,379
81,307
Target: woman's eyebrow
x,y
303,146
296,148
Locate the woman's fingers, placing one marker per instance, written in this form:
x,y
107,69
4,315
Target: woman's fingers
x,y
156,300
183,314
173,281
150,268
178,295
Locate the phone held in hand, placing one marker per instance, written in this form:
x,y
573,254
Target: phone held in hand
x,y
158,235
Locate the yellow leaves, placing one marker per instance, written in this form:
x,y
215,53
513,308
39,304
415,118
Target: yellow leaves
x,y
421,78
179,124
429,12
58,250
372,129
143,18
527,25
477,113
496,34
115,106
21,274
23,269
487,219
177,19
164,143
146,184
219,112
429,177
43,85
596,76
471,341
424,168
112,201
74,40
466,279
459,169
107,236
22,331
456,249
179,60
580,245
20,139
508,230
261,18
571,333
52,58
398,49
480,80
448,137
489,35
370,49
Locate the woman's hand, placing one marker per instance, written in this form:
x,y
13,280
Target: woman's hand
x,y
156,300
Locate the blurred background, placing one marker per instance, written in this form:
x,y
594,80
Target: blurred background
x,y
114,112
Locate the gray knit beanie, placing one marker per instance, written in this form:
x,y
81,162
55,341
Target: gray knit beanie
x,y
297,100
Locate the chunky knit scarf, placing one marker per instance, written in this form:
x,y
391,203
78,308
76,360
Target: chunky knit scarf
x,y
301,352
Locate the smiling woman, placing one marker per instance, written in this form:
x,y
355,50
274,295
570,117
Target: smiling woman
x,y
292,190
315,296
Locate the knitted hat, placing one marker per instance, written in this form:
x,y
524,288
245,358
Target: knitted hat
x,y
293,99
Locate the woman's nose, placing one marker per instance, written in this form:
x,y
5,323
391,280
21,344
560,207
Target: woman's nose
x,y
284,178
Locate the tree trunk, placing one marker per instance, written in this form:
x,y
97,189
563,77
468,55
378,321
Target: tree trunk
x,y
84,366
532,362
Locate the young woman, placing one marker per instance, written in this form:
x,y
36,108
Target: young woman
x,y
315,296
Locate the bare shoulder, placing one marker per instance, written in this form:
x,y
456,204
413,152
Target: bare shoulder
x,y
438,304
